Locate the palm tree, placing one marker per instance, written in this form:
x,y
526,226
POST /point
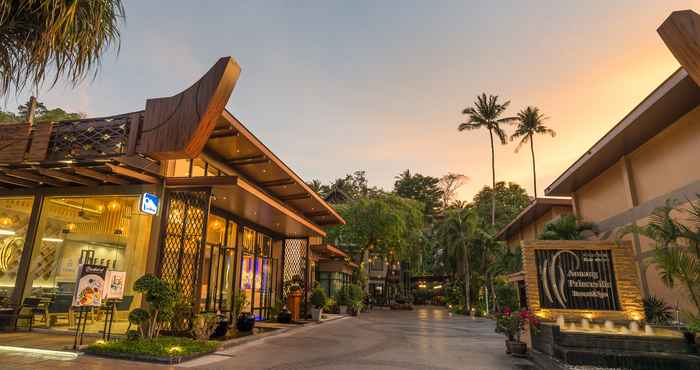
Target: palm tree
x,y
456,233
531,122
65,38
485,114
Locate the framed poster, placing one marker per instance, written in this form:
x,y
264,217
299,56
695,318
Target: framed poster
x,y
89,286
114,285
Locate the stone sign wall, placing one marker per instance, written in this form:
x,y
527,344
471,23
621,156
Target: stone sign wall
x,y
578,279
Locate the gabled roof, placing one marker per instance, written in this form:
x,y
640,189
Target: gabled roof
x,y
675,97
530,214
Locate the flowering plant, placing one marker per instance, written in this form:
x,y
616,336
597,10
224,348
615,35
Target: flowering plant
x,y
512,324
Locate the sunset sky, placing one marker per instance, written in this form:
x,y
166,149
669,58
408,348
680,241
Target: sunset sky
x,y
334,87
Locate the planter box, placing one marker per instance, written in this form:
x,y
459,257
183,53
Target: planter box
x,y
148,358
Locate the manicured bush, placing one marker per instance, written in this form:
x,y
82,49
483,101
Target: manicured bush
x,y
159,347
318,297
161,298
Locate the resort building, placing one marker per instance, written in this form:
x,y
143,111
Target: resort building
x,y
646,159
181,189
529,223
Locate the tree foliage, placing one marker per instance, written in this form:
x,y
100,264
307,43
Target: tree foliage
x,y
530,123
450,184
510,197
424,189
383,223
60,38
566,227
41,114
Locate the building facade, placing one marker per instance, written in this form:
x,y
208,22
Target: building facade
x,y
181,189
645,160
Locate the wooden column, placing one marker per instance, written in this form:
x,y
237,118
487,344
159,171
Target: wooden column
x,y
29,241
633,201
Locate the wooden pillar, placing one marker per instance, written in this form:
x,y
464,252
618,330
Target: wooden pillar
x,y
633,201
25,262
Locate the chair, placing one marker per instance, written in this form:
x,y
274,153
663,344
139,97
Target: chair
x,y
30,306
61,306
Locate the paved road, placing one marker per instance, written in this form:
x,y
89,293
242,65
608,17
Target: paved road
x,y
424,339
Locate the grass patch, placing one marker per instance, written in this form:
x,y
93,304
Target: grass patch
x,y
160,347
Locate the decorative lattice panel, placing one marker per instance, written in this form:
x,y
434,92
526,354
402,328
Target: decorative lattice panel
x,y
182,243
90,138
294,262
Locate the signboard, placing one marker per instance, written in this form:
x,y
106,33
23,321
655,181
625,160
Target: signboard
x,y
576,279
114,285
90,283
149,203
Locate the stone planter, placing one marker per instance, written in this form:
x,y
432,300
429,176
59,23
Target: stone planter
x,y
284,317
516,348
245,322
343,310
316,314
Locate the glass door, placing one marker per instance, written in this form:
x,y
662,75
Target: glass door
x,y
218,265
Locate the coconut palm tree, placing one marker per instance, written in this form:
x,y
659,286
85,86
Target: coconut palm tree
x,y
64,38
531,122
485,114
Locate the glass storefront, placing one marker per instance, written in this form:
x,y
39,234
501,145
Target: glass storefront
x,y
332,282
102,230
257,271
219,265
14,221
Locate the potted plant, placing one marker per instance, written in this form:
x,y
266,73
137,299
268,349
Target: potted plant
x,y
293,291
356,296
342,299
512,325
318,300
245,321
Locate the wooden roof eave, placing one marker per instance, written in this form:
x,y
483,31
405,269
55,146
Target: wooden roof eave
x,y
245,133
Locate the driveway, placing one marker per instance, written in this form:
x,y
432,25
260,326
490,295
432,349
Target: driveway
x,y
424,339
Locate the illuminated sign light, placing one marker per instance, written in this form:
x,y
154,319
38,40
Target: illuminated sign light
x,y
149,203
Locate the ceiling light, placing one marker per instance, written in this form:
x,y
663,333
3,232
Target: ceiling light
x,y
54,240
6,232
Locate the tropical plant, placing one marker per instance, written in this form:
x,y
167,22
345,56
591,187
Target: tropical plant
x,y
239,302
161,298
204,324
676,234
455,233
330,305
512,324
62,38
566,227
486,113
530,123
656,311
342,296
506,296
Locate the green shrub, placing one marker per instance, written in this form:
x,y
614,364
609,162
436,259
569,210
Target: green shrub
x,y
161,298
656,311
204,324
330,306
160,347
506,296
342,296
318,297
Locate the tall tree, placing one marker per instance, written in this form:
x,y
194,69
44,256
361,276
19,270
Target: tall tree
x,y
450,184
486,113
510,197
531,123
41,114
383,223
424,189
62,38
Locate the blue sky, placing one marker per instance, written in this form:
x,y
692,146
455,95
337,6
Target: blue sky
x,y
332,87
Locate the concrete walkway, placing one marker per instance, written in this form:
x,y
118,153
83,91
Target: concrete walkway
x,y
427,338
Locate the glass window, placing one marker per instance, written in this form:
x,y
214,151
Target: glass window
x,y
14,221
198,167
102,230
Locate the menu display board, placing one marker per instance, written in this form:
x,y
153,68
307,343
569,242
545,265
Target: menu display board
x,y
89,286
576,279
114,285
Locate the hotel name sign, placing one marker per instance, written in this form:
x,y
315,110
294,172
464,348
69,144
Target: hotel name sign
x,y
576,279
582,279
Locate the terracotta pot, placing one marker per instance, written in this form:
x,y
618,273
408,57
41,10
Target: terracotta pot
x,y
294,304
515,348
